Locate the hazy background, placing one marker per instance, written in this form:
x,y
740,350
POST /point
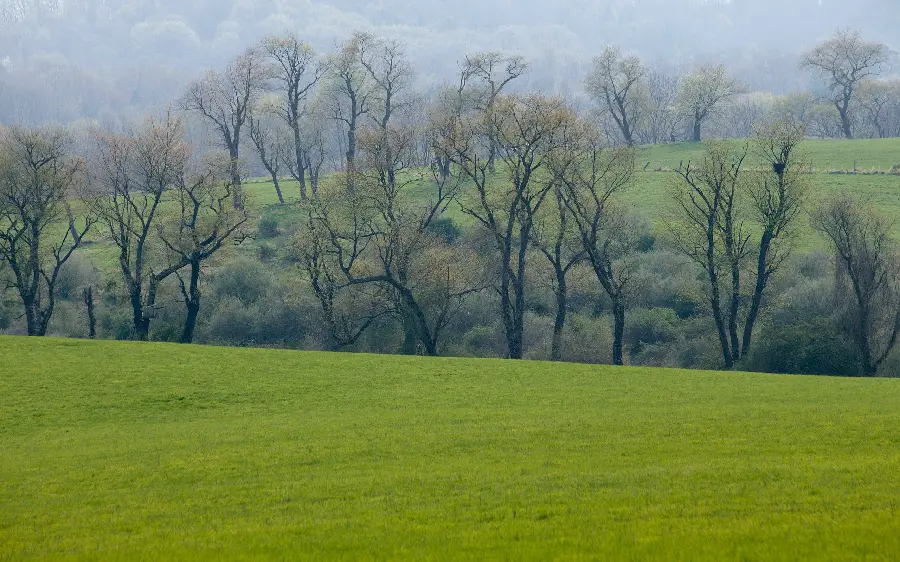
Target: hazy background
x,y
104,59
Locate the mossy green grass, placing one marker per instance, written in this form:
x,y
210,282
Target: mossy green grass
x,y
135,451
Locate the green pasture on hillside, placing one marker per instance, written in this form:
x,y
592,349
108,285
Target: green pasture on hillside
x,y
135,451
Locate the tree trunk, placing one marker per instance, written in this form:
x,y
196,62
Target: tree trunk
x,y
301,164
234,153
846,126
92,319
697,124
756,303
277,188
560,323
192,303
618,330
715,303
734,310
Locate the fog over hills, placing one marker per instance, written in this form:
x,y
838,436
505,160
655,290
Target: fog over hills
x,y
145,50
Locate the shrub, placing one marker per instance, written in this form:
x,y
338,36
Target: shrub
x,y
268,226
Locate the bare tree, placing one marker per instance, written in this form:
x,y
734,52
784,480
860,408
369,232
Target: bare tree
x,y
868,261
662,118
842,62
349,89
132,173
271,147
709,231
880,101
592,175
486,75
525,130
202,226
555,238
702,93
37,178
226,99
777,195
297,71
379,236
612,83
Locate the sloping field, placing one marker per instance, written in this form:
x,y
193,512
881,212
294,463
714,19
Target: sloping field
x,y
147,451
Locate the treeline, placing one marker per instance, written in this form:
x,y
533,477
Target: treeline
x,y
482,222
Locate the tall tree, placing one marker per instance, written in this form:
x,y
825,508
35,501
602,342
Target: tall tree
x,y
842,62
37,178
777,195
524,131
132,173
702,93
349,91
592,176
868,262
270,146
296,69
613,83
203,224
226,99
710,232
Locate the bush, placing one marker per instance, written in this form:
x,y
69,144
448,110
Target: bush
x,y
268,226
243,279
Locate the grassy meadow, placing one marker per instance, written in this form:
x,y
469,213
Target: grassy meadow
x,y
156,452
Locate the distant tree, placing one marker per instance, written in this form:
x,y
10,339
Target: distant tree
x,y
271,146
297,71
203,223
843,61
613,83
485,75
349,90
661,116
38,229
879,102
869,268
702,93
226,99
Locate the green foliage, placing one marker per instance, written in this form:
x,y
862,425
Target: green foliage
x,y
268,226
157,451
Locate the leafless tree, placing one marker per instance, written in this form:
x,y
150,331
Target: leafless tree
x,y
132,173
202,226
557,240
709,230
777,195
226,99
297,71
592,176
525,131
484,75
868,261
349,92
37,178
613,83
662,119
271,147
842,62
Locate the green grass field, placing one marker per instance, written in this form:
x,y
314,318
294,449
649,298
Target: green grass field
x,y
147,451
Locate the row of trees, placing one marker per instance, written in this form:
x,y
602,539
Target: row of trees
x,y
645,106
476,193
303,113
163,208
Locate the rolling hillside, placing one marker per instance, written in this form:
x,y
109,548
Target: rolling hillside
x,y
148,451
